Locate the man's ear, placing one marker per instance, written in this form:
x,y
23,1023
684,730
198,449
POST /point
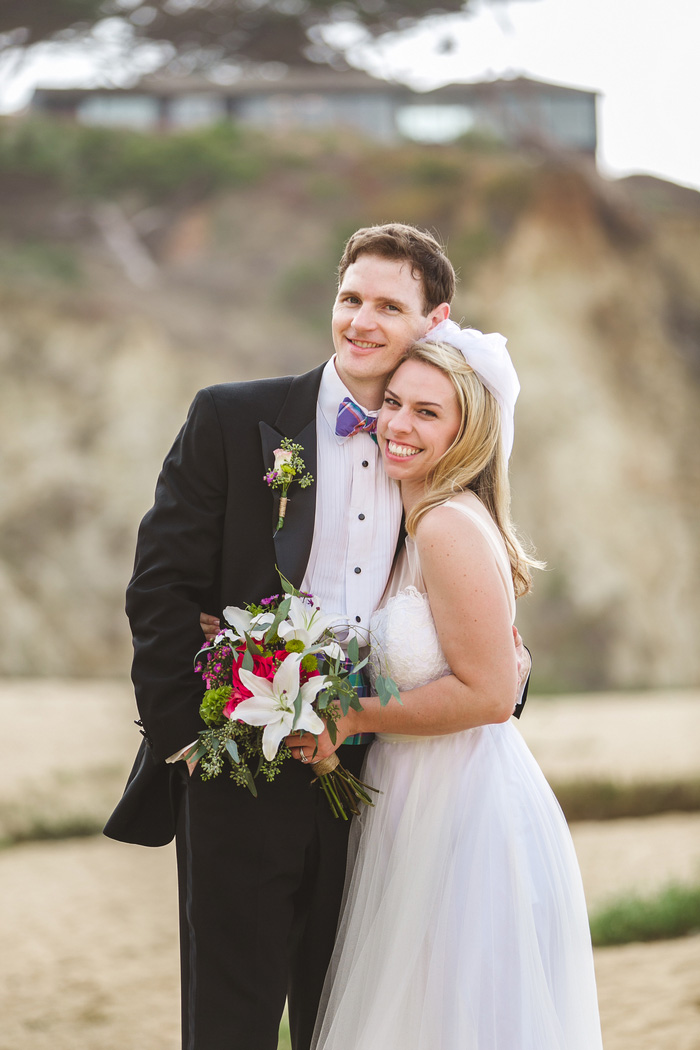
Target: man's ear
x,y
439,314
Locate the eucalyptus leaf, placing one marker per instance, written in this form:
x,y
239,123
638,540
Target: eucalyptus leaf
x,y
195,753
386,690
247,662
287,587
252,647
353,650
232,748
323,699
250,783
332,731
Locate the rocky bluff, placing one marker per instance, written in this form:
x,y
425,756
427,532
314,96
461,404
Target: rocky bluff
x,y
115,310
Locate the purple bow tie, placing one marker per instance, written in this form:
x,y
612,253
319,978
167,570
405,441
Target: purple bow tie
x,y
351,420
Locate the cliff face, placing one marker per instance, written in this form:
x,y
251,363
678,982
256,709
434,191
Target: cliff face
x,y
601,311
115,317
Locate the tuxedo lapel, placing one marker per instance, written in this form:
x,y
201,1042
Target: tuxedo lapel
x,y
297,421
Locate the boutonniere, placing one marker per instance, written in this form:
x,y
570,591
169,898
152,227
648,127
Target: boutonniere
x,y
288,467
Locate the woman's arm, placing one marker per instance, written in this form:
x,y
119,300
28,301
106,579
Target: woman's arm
x,y
472,618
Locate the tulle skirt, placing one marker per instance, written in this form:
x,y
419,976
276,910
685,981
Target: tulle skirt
x,y
464,925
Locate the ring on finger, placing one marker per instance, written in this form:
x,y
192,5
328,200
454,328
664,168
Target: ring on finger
x,y
302,756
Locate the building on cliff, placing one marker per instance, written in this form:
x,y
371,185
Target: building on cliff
x,y
519,112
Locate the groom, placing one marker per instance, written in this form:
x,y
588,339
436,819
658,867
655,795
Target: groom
x,y
261,879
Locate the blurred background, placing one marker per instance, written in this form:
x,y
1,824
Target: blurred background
x,y
177,180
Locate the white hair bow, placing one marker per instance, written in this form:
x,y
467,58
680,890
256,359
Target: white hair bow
x,y
488,356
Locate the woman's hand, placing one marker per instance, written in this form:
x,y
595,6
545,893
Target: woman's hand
x,y
210,626
307,748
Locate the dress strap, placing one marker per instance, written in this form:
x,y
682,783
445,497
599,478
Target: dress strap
x,y
491,533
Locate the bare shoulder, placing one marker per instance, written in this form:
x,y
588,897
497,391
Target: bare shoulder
x,y
449,541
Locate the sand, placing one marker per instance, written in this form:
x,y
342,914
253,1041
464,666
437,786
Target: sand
x,y
88,941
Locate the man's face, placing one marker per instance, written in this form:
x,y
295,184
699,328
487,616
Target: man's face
x,y
377,315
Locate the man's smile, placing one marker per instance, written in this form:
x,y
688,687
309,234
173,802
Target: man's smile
x,y
362,344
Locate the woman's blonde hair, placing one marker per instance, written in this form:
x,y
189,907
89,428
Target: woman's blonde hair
x,y
475,460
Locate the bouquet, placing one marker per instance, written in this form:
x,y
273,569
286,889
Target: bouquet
x,y
277,668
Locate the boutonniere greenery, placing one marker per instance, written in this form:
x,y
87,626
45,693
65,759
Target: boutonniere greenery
x,y
288,467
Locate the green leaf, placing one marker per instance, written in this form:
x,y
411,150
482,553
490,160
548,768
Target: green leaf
x,y
250,783
332,731
232,748
195,753
323,699
247,661
279,616
287,587
386,690
252,647
353,650
297,706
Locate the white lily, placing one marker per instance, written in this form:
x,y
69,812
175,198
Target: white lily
x,y
304,622
272,704
244,622
332,650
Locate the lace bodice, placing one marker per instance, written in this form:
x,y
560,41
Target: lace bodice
x,y
404,642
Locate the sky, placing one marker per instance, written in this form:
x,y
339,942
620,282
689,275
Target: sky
x,y
640,55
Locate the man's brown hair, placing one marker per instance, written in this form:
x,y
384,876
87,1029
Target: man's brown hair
x,y
395,240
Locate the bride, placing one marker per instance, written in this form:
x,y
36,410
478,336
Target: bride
x,y
464,925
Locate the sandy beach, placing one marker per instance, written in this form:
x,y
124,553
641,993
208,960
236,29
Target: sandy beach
x,y
88,939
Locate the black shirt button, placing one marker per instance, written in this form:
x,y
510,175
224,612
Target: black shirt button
x,y
361,517
358,619
365,463
358,569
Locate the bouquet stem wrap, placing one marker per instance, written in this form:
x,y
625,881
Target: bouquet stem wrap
x,y
341,788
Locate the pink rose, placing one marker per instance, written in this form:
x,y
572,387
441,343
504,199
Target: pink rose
x,y
233,702
282,456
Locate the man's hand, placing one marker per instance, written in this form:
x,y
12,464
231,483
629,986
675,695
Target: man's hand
x,y
524,663
210,626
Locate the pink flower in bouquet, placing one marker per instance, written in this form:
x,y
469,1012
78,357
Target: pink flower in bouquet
x,y
234,700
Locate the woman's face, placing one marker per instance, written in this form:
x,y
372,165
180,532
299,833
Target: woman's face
x,y
418,421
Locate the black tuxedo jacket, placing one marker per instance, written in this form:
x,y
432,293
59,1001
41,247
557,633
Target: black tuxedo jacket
x,y
207,542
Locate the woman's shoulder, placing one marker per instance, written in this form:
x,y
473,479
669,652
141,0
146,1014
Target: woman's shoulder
x,y
462,523
472,514
458,540
440,524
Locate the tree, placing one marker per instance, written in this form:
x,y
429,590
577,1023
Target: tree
x,y
206,32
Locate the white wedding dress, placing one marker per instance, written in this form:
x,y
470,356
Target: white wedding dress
x,y
464,925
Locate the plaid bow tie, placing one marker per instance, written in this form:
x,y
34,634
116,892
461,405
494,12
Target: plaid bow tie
x,y
351,420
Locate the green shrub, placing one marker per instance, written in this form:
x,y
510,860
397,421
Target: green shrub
x,y
610,800
99,162
673,912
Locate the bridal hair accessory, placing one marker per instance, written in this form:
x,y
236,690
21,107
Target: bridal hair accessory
x,y
288,464
488,357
